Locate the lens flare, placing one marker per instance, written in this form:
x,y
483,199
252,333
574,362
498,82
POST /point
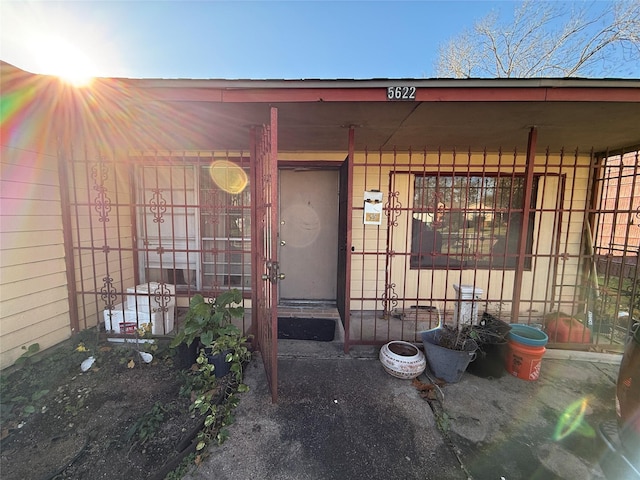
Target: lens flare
x,y
228,176
572,420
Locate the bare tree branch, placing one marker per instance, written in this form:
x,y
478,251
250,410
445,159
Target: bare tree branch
x,y
548,39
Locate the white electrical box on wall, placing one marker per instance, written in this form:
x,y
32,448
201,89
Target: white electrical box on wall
x,y
372,207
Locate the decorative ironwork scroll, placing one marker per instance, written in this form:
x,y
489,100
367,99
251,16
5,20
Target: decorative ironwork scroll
x,y
100,174
158,206
393,208
162,296
108,293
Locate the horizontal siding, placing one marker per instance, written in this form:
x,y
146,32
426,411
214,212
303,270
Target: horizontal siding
x,y
34,305
30,257
14,290
25,191
28,168
46,333
18,273
15,240
35,223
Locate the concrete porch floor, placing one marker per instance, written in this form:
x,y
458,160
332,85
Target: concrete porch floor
x,y
342,416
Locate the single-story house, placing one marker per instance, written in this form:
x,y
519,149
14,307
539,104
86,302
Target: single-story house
x,y
386,201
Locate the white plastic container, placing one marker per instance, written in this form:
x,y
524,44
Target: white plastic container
x,y
149,298
122,320
466,308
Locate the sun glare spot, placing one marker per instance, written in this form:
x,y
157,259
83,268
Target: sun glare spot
x,y
228,176
572,420
63,59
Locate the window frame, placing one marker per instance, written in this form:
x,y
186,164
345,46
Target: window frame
x,y
220,251
443,236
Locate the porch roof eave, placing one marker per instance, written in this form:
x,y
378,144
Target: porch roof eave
x,y
574,113
375,90
315,115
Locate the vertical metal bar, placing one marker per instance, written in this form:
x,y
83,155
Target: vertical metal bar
x,y
116,194
105,290
101,201
256,266
273,239
273,172
543,192
349,240
594,192
74,202
406,249
578,297
526,210
133,212
387,303
65,206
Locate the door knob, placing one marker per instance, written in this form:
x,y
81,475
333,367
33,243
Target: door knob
x,y
283,243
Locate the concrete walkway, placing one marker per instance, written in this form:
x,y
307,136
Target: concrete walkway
x,y
343,417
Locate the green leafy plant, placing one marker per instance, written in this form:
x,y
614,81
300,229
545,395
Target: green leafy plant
x,y
28,354
234,347
210,324
181,470
148,424
216,403
444,421
206,321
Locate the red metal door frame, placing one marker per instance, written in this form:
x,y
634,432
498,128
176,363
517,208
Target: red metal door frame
x,y
264,190
347,182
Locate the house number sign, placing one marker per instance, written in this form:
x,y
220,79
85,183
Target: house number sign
x,y
401,93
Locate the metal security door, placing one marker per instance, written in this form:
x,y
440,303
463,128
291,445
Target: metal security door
x,y
265,281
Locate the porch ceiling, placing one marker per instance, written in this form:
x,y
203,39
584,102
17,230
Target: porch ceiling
x,y
323,126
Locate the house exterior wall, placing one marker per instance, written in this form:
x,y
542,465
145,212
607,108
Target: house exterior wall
x,y
33,282
619,223
100,185
559,215
97,172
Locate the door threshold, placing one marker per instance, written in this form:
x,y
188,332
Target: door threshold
x,y
308,303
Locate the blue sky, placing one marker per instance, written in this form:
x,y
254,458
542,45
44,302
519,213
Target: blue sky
x,y
239,39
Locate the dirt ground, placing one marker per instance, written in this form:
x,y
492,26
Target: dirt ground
x,y
123,418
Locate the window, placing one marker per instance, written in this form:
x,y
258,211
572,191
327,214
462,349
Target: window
x,y
468,221
225,225
192,232
167,234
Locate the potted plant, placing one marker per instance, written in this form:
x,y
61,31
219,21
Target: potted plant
x,y
208,330
227,353
491,337
449,350
480,348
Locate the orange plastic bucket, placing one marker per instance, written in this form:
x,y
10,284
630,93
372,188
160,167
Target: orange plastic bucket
x,y
523,361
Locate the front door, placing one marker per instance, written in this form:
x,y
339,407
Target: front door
x,y
309,234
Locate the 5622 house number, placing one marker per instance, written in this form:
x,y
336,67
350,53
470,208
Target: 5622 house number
x,y
401,93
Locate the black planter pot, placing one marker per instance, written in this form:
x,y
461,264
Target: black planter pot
x,y
185,356
221,367
489,360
